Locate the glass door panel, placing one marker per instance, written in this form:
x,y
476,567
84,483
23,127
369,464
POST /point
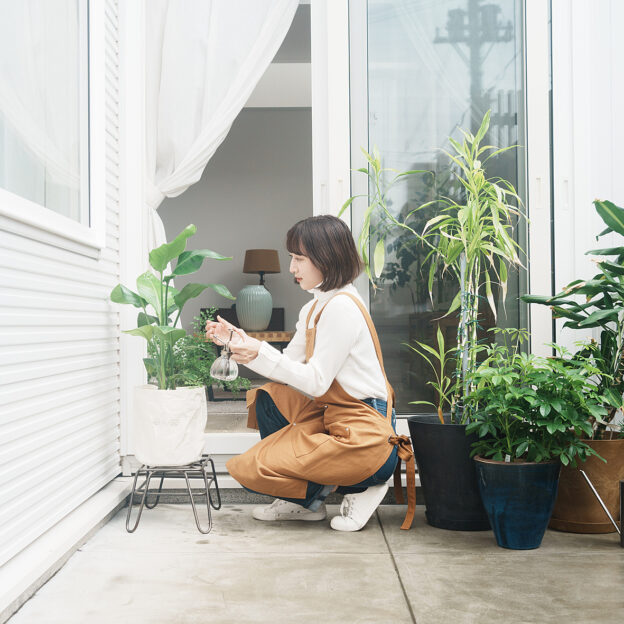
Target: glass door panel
x,y
435,66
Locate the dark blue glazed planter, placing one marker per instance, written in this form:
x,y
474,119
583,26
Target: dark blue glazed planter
x,y
518,499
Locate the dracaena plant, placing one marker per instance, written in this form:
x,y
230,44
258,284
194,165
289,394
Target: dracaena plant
x,y
599,303
161,304
470,238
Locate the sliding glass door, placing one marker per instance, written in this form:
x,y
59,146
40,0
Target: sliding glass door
x,y
423,69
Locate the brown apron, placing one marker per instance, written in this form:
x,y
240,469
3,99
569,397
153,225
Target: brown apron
x,y
334,439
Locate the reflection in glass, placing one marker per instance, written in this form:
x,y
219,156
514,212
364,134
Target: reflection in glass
x,y
435,67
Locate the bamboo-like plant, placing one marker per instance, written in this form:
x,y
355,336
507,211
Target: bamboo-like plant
x,y
437,360
473,239
161,304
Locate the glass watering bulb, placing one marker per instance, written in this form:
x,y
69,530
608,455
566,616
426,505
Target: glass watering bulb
x,y
224,368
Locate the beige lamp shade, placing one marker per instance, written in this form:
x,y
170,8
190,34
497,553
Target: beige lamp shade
x,y
261,261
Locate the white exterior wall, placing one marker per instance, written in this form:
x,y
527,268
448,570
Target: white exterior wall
x,y
59,361
588,129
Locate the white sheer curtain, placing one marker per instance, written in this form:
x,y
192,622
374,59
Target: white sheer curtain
x,y
204,58
39,83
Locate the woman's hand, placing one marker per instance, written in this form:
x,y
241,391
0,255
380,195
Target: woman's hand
x,y
244,348
219,332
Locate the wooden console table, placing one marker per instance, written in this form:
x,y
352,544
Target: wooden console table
x,y
281,338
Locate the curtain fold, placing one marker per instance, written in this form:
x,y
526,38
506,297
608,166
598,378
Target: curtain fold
x,y
203,60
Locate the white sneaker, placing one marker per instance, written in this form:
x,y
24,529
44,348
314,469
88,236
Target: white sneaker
x,y
283,510
356,509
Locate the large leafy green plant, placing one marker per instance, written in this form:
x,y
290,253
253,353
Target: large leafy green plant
x,y
161,304
525,407
601,305
471,238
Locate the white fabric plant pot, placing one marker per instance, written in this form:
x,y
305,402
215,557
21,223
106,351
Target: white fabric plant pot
x,y
169,425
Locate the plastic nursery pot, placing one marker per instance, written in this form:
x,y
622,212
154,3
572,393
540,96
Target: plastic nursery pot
x,y
447,474
518,498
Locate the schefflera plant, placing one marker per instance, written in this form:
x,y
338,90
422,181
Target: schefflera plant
x,y
161,304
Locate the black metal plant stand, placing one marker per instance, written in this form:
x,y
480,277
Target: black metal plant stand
x,y
202,469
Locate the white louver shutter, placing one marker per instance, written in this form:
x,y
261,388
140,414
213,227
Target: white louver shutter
x,y
59,347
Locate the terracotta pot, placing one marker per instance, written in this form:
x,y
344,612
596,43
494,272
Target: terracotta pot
x,y
577,510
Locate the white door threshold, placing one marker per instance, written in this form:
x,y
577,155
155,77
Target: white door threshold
x,y
24,574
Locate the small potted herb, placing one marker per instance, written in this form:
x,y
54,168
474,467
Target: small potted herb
x,y
530,414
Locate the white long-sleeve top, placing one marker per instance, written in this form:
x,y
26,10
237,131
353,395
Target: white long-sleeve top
x,y
344,351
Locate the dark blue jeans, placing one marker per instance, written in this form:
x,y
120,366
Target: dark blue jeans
x,y
270,420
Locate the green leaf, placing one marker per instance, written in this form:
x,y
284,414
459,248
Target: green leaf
x,y
611,267
145,331
598,318
485,124
222,290
146,319
607,251
190,261
351,199
151,366
614,397
160,257
611,214
454,304
149,287
379,257
170,334
121,294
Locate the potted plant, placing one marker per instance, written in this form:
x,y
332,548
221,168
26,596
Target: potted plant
x,y
601,307
470,238
193,358
529,413
169,421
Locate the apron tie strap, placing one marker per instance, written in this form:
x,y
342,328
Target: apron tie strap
x,y
405,453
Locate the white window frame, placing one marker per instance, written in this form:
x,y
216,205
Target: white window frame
x,y
33,220
539,150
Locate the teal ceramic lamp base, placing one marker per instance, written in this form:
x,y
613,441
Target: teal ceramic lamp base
x,y
254,305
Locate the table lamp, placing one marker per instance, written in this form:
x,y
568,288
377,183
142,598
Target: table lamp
x,y
254,304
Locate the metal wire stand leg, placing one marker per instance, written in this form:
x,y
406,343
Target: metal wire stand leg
x,y
192,497
210,482
147,505
143,488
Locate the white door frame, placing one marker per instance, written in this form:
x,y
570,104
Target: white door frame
x,y
539,154
329,23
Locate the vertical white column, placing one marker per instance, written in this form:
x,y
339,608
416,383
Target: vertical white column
x,y
538,169
133,239
587,66
330,105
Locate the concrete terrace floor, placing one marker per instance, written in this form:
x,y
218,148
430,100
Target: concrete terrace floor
x,y
289,572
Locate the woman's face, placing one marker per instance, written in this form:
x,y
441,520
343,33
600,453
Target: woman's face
x,y
306,274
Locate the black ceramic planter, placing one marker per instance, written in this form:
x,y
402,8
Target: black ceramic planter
x,y
519,499
447,474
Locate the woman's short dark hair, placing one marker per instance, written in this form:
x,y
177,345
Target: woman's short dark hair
x,y
328,242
